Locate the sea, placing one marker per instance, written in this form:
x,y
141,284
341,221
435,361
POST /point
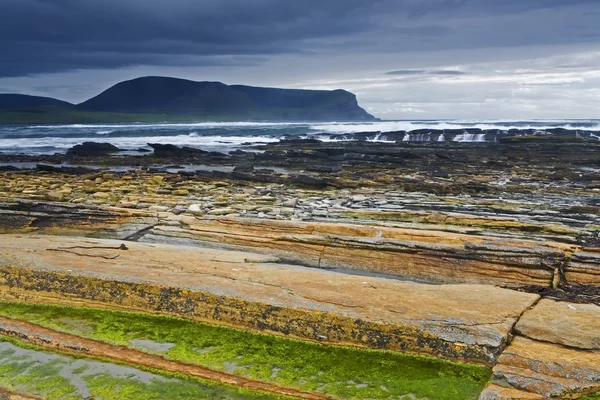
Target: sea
x,y
228,136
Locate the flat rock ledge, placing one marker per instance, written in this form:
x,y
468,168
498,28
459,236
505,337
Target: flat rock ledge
x,y
469,323
424,255
427,255
556,354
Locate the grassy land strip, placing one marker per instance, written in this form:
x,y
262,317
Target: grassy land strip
x,y
338,371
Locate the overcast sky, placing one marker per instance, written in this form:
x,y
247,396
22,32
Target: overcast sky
x,y
404,59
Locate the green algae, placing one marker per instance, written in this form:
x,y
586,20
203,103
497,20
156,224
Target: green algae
x,y
27,369
339,371
20,373
594,396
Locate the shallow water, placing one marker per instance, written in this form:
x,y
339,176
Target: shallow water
x,y
53,376
162,167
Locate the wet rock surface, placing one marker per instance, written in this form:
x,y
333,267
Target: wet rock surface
x,y
92,149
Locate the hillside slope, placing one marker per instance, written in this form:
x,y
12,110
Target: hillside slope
x,y
172,96
20,101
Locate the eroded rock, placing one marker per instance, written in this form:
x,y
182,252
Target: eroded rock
x,y
461,322
567,324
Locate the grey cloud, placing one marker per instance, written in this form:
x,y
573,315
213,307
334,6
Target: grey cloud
x,y
406,72
447,72
426,72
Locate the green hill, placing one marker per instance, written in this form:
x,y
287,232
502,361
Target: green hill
x,y
171,96
154,99
21,101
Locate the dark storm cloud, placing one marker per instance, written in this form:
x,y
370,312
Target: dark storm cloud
x,y
44,36
58,35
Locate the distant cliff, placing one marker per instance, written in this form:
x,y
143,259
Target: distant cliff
x,y
159,95
162,99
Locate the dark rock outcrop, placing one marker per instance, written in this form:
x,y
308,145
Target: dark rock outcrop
x,y
170,150
65,169
92,149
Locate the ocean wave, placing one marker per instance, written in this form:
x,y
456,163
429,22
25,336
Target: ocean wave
x,y
392,126
210,143
226,136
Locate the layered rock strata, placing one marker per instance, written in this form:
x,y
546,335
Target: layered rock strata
x,y
417,252
471,323
555,354
430,256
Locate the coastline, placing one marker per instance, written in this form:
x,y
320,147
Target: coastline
x,y
518,217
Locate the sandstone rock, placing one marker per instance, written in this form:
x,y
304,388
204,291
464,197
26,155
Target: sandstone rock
x,y
292,203
68,219
55,196
496,392
413,254
547,369
320,213
266,199
584,267
221,211
101,195
127,204
195,209
181,192
158,208
568,324
461,322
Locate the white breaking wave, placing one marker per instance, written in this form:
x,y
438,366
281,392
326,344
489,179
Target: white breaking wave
x,y
209,143
391,126
470,137
215,136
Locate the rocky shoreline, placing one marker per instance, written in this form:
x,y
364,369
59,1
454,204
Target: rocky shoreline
x,y
519,216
